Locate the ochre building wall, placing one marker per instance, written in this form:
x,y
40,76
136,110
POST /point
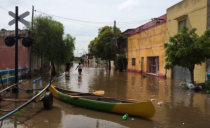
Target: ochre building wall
x,y
195,12
147,43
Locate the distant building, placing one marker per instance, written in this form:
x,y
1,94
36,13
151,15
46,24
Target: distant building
x,y
122,45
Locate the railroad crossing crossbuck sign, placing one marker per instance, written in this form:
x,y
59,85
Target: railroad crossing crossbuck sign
x,y
11,40
20,18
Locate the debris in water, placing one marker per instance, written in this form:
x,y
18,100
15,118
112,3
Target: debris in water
x,y
152,99
125,117
160,103
46,121
132,118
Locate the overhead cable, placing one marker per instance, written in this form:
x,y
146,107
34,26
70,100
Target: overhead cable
x,y
4,8
93,22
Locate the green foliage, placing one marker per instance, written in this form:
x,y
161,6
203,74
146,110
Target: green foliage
x,y
76,58
3,30
60,68
144,76
103,46
207,82
4,76
121,62
72,59
81,60
19,113
187,49
92,47
69,47
50,43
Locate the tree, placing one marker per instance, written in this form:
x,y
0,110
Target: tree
x,y
69,45
103,46
50,43
91,46
187,49
3,30
121,62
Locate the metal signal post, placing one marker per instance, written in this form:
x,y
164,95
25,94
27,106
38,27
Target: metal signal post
x,y
10,40
15,90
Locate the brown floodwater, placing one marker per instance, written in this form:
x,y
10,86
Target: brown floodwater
x,y
180,108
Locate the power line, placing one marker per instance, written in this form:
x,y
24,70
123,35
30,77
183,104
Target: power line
x,y
4,8
73,21
93,22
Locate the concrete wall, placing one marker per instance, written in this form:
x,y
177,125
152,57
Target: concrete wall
x,y
7,54
195,11
148,43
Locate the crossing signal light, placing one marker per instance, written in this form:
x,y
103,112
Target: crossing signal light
x,y
27,42
9,41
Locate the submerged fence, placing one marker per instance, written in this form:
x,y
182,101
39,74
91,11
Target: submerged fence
x,y
8,71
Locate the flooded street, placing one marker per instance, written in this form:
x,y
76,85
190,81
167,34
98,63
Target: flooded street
x,y
181,108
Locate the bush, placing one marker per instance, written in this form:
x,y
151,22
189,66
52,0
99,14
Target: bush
x,y
121,62
207,82
81,61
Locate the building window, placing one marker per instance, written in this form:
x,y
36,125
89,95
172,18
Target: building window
x,y
182,23
133,61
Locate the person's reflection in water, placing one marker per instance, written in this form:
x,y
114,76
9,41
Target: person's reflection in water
x,y
79,81
97,124
67,77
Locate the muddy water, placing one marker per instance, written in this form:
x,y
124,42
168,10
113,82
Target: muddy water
x,y
180,108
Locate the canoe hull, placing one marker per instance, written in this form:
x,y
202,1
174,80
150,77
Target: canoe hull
x,y
144,109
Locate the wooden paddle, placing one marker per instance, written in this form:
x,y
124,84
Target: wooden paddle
x,y
99,93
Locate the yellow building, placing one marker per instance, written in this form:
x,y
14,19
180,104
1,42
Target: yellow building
x,y
193,14
146,52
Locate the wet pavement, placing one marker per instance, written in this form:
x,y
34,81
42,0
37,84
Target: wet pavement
x,y
180,108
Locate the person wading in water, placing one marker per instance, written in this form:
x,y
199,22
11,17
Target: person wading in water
x,y
67,69
79,68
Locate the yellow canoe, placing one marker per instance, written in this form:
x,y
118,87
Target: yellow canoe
x,y
143,109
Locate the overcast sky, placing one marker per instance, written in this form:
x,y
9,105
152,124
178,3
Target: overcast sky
x,y
88,15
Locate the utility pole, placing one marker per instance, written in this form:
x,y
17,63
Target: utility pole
x,y
15,90
30,56
115,41
115,32
32,18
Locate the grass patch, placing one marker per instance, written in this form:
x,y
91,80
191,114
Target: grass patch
x,y
144,76
5,76
19,113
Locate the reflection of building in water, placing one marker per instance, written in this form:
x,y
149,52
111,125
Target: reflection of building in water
x,y
142,88
186,106
152,85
